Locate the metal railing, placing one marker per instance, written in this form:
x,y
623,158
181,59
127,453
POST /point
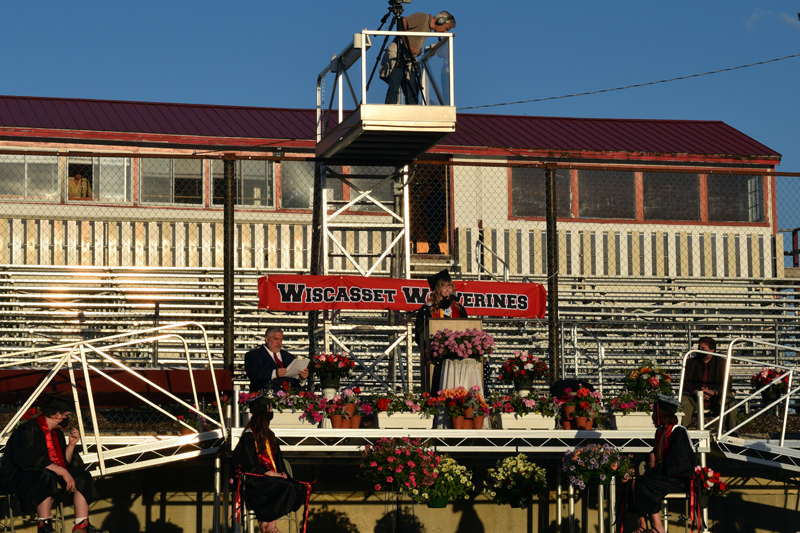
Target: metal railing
x,y
480,246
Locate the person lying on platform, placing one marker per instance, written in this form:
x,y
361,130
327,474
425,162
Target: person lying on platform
x,y
442,303
41,467
266,365
261,477
670,469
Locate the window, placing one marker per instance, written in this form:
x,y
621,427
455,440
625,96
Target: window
x,y
171,181
671,196
528,192
106,179
735,198
365,178
297,184
606,194
252,182
32,177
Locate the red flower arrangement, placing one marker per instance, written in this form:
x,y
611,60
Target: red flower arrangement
x,y
767,376
710,482
409,465
332,365
523,366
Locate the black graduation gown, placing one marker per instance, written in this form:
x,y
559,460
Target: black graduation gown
x,y
269,497
426,311
24,469
673,474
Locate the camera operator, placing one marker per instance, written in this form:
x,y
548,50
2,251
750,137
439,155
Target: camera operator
x,y
399,68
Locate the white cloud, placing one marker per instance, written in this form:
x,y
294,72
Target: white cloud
x,y
757,15
791,20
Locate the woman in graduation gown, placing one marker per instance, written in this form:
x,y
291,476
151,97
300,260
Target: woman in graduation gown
x,y
670,469
266,488
442,303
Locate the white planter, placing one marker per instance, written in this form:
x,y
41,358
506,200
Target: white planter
x,y
633,421
290,419
529,421
403,421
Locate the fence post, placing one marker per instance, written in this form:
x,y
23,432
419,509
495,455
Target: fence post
x,y
229,252
552,269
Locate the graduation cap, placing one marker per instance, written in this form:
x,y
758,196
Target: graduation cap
x,y
56,402
258,404
668,404
443,275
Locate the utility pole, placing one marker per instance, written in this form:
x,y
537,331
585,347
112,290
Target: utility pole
x,y
552,269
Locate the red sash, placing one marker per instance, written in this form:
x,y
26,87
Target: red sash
x,y
662,442
53,450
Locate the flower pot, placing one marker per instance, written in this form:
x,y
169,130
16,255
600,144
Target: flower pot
x,y
346,423
350,409
458,422
569,411
567,424
355,421
290,419
468,412
438,503
582,423
529,421
336,421
477,422
523,386
633,421
403,421
523,503
704,500
328,382
768,396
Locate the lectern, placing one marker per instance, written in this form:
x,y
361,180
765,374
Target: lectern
x,y
431,373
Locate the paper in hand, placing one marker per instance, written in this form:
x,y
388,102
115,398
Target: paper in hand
x,y
295,367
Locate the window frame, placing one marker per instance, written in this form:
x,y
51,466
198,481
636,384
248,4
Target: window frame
x,y
202,181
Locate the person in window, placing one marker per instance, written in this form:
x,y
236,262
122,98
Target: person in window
x,y
261,472
670,467
399,68
79,186
706,372
41,467
442,303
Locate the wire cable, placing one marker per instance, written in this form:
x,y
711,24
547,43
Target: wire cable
x,y
632,86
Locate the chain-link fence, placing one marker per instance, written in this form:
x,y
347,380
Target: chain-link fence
x,y
649,258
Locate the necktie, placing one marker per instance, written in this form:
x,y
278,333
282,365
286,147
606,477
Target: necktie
x,y
277,361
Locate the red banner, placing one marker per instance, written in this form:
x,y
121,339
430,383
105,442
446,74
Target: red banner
x,y
317,293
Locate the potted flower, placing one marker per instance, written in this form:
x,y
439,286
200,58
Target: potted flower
x,y
514,480
469,344
331,368
596,464
475,409
454,402
515,411
630,413
453,482
335,412
403,464
364,408
522,370
766,378
709,483
291,409
647,381
405,410
587,408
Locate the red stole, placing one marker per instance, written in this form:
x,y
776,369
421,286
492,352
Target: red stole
x,y
439,313
662,442
53,449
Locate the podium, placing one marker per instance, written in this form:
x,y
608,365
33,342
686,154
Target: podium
x,y
432,373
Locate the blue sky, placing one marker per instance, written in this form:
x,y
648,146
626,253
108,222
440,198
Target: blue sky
x,y
267,53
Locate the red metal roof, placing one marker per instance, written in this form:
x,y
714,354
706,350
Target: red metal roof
x,y
539,134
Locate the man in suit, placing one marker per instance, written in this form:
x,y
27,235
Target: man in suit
x,y
266,365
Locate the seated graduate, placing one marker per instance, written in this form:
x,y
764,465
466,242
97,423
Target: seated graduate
x,y
670,469
266,487
41,467
442,303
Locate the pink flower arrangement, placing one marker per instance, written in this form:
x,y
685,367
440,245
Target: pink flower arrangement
x,y
710,481
767,376
310,405
626,403
469,344
411,466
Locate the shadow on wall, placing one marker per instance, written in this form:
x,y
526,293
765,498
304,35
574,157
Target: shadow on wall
x,y
403,522
163,526
469,522
121,519
328,521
